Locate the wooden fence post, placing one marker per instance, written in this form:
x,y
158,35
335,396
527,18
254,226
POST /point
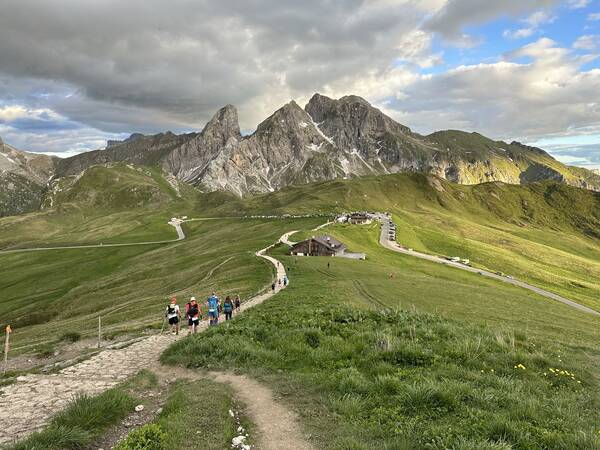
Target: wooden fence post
x,y
99,330
6,347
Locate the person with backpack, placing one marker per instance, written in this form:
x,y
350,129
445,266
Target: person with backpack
x,y
273,287
194,316
173,314
237,303
214,304
285,281
228,307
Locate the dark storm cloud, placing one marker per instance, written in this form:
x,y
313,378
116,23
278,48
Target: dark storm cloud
x,y
181,60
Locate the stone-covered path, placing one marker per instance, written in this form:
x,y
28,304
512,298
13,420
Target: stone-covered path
x,y
29,403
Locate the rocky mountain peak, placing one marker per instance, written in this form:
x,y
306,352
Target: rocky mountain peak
x,y
354,99
356,126
131,138
289,115
224,124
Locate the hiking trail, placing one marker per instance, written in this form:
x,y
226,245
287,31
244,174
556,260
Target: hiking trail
x,y
29,403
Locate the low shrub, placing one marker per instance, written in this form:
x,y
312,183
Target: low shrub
x,y
148,437
71,336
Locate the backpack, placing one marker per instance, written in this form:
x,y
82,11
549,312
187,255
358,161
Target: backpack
x,y
193,311
227,306
171,309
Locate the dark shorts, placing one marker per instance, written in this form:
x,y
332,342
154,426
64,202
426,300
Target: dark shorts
x,y
213,314
173,320
194,322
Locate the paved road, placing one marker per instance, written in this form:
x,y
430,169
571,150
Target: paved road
x,y
392,245
177,225
29,403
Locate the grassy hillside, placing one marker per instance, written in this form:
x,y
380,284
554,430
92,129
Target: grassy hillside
x,y
105,204
46,294
546,233
428,359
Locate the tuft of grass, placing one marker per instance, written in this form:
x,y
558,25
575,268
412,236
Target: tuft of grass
x,y
71,336
148,437
45,350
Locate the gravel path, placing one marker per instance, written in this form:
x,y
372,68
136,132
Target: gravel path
x,y
29,403
391,245
177,225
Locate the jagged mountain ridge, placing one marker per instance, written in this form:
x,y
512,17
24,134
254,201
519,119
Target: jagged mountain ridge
x,y
327,139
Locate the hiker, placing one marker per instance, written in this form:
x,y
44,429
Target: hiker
x,y
273,287
213,304
228,307
285,281
173,314
279,281
328,265
237,303
194,316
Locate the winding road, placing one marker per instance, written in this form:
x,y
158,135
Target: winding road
x,y
392,245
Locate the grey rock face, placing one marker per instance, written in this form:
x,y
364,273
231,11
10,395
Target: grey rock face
x,y
190,160
23,178
327,139
131,138
144,150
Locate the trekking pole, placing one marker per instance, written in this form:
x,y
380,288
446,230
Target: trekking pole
x,y
163,325
6,347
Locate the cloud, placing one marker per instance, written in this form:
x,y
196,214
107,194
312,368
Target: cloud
x,y
593,16
74,73
173,64
578,4
534,21
548,96
58,141
455,15
587,42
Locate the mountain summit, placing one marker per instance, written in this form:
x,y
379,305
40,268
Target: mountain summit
x,y
327,139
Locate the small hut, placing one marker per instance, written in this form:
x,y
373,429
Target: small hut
x,y
318,246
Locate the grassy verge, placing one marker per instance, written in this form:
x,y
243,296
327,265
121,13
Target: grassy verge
x,y
407,380
87,417
196,416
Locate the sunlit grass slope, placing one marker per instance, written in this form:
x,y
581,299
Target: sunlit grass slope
x,y
545,233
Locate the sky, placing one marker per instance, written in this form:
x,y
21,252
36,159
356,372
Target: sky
x,y
75,73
